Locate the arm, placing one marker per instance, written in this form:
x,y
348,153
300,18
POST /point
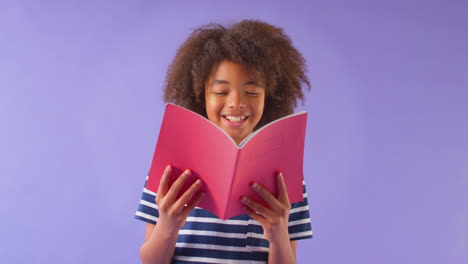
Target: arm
x,y
158,246
280,254
160,239
274,221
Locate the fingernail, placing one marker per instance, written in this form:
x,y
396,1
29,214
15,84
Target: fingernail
x,y
255,185
198,182
187,172
244,199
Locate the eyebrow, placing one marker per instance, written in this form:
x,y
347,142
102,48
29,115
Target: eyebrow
x,y
226,82
219,82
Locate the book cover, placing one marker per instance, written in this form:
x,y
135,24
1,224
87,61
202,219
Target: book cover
x,y
188,140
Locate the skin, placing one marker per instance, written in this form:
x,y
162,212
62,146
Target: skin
x,y
231,90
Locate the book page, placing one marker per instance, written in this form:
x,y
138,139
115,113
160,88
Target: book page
x,y
277,147
247,139
187,141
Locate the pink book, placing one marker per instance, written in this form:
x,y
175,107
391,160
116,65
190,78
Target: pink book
x,y
188,140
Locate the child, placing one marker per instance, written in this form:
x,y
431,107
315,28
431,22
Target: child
x,y
239,77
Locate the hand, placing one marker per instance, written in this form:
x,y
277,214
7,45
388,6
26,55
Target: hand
x,y
173,212
274,219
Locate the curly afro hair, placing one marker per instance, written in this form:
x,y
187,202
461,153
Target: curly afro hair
x,y
258,46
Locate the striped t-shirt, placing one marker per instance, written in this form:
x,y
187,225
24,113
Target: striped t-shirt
x,y
207,239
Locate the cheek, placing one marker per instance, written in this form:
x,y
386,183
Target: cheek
x,y
259,114
211,110
260,108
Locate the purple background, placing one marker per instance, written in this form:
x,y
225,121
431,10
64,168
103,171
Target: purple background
x,y
386,160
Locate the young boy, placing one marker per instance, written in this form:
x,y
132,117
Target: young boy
x,y
239,77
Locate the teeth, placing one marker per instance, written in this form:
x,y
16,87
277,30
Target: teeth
x,y
235,118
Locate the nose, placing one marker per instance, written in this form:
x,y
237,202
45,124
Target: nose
x,y
236,100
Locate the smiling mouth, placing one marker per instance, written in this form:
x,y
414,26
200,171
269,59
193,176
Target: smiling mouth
x,y
235,118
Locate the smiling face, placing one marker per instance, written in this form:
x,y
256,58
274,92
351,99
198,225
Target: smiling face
x,y
234,99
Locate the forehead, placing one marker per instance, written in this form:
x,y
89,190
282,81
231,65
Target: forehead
x,y
231,70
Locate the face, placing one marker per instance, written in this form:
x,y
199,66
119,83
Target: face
x,y
235,99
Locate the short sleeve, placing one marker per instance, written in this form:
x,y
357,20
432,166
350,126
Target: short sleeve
x,y
299,219
147,209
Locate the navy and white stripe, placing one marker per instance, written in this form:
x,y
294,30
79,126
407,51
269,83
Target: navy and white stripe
x,y
207,239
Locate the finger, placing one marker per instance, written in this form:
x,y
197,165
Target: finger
x,y
266,195
164,183
177,185
256,207
254,215
185,198
194,203
283,196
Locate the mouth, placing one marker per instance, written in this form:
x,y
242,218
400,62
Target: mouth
x,y
235,120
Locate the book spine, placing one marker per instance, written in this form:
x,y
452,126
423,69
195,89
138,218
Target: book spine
x,y
231,184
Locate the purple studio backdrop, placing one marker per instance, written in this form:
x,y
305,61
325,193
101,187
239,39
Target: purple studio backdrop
x,y
386,159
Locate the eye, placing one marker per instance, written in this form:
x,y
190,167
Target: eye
x,y
252,93
220,93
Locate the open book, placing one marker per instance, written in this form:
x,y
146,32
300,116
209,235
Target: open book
x,y
188,140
